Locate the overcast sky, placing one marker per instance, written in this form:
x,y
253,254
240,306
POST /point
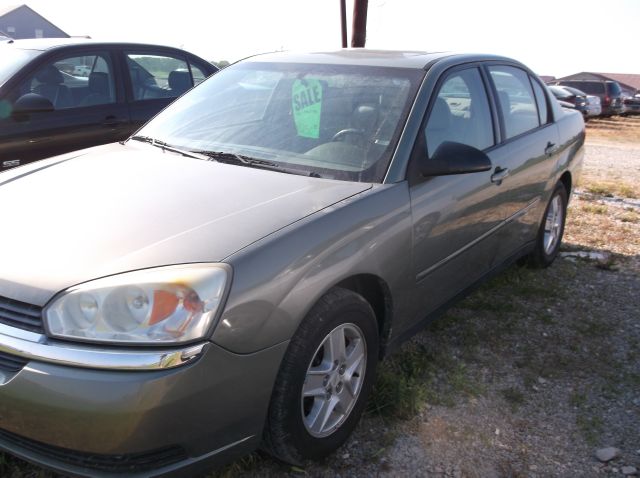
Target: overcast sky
x,y
553,37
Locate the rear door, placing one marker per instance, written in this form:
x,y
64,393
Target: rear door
x,y
88,102
155,77
527,153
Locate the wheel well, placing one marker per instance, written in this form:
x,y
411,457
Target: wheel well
x,y
565,179
377,293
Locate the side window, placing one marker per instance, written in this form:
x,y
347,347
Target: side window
x,y
541,101
157,76
460,113
198,75
73,82
515,100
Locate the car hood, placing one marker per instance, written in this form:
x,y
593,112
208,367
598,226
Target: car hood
x,y
118,208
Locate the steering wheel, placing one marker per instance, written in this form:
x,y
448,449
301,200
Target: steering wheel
x,y
345,132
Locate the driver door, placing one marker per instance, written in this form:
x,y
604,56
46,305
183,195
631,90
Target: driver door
x,y
455,217
88,109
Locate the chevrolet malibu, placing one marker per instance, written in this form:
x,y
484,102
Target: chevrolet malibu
x,y
230,276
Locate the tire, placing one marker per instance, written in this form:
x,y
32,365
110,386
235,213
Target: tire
x,y
291,434
551,229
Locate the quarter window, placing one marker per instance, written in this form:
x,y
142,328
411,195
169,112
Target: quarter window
x,y
198,75
460,113
158,76
515,100
541,101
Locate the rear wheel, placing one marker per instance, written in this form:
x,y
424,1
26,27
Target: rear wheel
x,y
324,380
551,229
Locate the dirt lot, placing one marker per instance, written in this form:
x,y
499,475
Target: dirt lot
x,y
531,374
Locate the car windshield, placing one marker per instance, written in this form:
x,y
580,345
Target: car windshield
x,y
12,59
330,121
575,91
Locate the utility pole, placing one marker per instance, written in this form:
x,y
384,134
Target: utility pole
x,y
359,27
343,22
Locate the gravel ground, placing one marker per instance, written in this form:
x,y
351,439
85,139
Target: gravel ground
x,y
529,376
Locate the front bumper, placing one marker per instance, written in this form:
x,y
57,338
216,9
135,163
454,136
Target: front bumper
x,y
88,422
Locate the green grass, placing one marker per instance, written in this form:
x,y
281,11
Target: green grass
x,y
590,427
513,396
611,189
245,465
595,208
630,217
577,399
415,376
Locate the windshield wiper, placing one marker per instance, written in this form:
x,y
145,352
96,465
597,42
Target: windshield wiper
x,y
242,160
165,146
233,158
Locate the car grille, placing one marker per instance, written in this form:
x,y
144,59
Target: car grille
x,y
21,315
11,363
132,462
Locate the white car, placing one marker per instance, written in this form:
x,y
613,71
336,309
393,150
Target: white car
x,y
81,70
594,108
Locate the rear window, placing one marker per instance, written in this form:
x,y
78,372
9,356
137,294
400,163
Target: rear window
x,y
613,89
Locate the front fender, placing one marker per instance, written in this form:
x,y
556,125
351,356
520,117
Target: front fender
x,y
279,278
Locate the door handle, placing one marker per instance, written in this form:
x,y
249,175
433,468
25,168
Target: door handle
x,y
499,174
550,149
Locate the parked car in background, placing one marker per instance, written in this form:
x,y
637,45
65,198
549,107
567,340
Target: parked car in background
x,y
231,275
609,92
632,104
81,70
594,107
57,95
566,104
579,99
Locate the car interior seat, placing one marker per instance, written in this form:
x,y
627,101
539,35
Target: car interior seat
x,y
439,125
362,125
179,81
52,87
99,91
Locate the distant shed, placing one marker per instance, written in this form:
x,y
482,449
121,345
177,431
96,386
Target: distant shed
x,y
630,83
22,22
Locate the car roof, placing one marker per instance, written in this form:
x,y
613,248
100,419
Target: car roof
x,y
44,44
368,57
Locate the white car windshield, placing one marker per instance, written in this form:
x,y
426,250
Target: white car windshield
x,y
333,121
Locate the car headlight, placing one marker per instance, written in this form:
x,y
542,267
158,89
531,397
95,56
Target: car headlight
x,y
166,305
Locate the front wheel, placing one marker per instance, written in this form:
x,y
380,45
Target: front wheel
x,y
551,229
324,380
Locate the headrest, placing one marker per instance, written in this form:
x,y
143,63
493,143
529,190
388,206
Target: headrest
x,y
505,102
99,83
179,80
440,118
50,76
365,117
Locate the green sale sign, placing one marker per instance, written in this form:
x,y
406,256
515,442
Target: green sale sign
x,y
306,98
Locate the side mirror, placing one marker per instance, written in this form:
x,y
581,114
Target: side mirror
x,y
32,103
455,158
